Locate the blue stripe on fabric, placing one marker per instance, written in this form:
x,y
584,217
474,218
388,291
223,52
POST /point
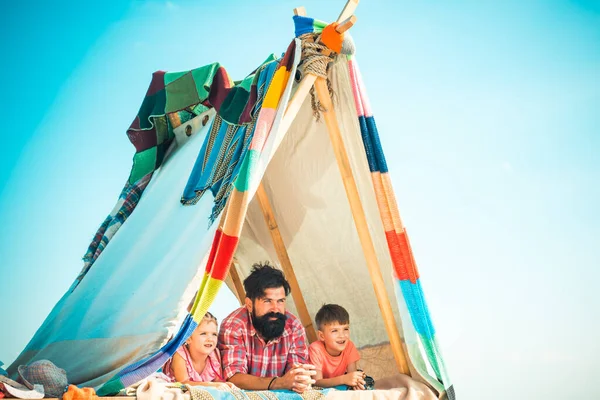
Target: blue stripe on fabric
x,y
376,143
364,133
303,25
419,313
137,371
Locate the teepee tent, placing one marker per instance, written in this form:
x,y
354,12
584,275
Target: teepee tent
x,y
229,173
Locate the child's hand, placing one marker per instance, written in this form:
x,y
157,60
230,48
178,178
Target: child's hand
x,y
355,380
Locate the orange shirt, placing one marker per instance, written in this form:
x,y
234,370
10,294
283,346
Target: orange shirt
x,y
329,365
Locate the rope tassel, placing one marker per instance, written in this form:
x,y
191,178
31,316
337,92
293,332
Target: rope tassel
x,y
316,58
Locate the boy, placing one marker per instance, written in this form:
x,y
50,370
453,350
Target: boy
x,y
334,354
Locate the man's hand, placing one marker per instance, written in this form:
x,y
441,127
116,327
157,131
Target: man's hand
x,y
355,379
298,378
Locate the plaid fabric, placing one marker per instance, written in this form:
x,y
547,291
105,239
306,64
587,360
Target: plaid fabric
x,y
128,200
243,351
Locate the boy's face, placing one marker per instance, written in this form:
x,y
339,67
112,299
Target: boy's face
x,y
335,336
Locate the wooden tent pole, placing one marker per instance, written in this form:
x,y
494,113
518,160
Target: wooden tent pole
x,y
360,221
296,102
237,283
346,24
285,262
348,10
300,11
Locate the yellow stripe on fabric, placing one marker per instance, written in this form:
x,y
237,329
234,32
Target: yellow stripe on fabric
x,y
382,202
206,298
393,206
236,212
197,316
276,88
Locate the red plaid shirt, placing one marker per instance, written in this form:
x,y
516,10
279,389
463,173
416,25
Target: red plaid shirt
x,y
244,351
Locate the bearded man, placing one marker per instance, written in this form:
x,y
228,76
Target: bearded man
x,y
264,347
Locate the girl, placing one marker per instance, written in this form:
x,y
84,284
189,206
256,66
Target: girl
x,y
198,362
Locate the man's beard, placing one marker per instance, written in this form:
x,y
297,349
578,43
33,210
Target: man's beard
x,y
267,328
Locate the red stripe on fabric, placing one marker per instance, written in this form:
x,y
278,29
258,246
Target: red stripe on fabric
x,y
396,255
213,250
402,257
224,256
407,257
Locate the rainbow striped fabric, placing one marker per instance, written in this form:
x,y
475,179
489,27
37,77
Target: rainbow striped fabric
x,y
409,294
405,268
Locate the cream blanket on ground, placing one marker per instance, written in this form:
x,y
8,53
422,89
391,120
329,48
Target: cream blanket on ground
x,y
400,387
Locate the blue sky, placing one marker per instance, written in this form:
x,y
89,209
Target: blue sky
x,y
488,112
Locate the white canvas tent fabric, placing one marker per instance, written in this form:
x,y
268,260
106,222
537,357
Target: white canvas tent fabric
x,y
311,208
116,315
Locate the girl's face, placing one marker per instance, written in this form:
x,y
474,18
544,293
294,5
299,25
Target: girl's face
x,y
204,338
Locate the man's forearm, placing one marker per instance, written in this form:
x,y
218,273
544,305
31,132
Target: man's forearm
x,y
250,382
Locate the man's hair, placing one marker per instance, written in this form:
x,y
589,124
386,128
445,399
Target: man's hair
x,y
331,313
262,277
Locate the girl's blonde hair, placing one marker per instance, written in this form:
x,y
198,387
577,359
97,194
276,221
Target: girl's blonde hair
x,y
208,317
